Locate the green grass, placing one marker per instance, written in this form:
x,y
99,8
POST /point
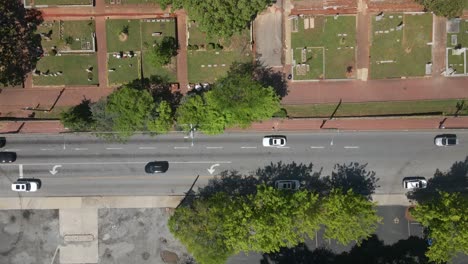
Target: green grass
x,y
126,70
60,2
235,49
314,59
53,114
447,107
339,51
169,72
147,28
73,68
407,48
81,30
462,36
456,62
113,29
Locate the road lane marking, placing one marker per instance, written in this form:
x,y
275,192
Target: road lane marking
x,y
283,147
317,147
351,147
21,170
147,147
133,177
46,149
113,148
248,147
181,147
214,147
81,148
12,149
121,163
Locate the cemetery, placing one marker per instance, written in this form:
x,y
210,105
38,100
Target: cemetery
x,y
69,51
401,45
457,45
210,58
57,2
323,47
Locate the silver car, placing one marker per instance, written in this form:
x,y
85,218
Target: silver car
x,y
287,185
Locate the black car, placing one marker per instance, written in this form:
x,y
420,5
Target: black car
x,y
157,167
6,157
2,142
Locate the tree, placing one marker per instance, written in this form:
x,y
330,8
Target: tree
x,y
20,45
447,219
221,17
163,52
194,111
242,100
446,8
348,217
200,229
164,120
78,118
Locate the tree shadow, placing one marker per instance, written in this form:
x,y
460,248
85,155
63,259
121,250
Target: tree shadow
x,y
372,250
453,180
304,173
267,76
231,183
353,176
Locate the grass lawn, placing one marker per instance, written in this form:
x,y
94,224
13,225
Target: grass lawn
x,y
338,39
53,114
121,42
314,60
168,72
60,2
148,27
396,53
126,70
209,65
457,62
73,68
447,107
80,33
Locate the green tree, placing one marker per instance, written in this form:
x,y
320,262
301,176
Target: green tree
x,y
164,121
20,46
163,52
446,8
204,117
78,118
348,217
242,100
447,219
200,229
270,219
221,17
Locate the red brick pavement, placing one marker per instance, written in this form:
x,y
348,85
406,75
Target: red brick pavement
x,y
439,40
363,25
376,90
182,68
101,50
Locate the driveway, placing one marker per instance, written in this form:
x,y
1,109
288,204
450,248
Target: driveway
x,y
268,35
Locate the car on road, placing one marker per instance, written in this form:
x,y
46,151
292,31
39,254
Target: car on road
x,y
7,157
446,140
274,141
26,185
287,185
411,183
157,167
2,142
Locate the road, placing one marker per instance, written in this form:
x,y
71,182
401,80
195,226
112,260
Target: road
x,y
87,166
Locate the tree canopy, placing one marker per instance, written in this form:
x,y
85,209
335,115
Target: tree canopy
x,y
221,17
447,221
163,51
20,46
446,8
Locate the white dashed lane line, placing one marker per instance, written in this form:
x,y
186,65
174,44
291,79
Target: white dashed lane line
x,y
317,147
181,147
81,148
214,147
147,147
113,148
248,147
351,147
12,149
46,149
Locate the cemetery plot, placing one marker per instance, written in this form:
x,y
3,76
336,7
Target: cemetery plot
x,y
401,45
66,70
123,35
209,59
323,47
123,67
67,36
457,45
127,2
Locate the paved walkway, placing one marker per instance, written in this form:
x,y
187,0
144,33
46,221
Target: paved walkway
x,y
182,67
439,40
363,42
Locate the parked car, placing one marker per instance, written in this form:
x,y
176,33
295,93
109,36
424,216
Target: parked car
x,y
446,140
157,167
26,185
274,141
411,183
7,157
287,185
2,142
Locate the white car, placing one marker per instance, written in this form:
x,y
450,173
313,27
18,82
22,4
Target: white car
x,y
25,186
274,141
414,183
287,185
446,140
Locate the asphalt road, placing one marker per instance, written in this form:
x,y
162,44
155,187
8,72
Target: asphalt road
x,y
88,166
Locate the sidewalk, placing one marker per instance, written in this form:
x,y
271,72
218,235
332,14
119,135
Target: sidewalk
x,y
278,125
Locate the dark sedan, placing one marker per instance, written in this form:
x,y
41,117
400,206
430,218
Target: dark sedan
x,y
157,167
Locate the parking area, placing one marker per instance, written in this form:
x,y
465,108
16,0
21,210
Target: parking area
x,y
268,37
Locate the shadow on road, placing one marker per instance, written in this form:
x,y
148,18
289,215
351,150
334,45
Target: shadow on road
x,y
372,250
